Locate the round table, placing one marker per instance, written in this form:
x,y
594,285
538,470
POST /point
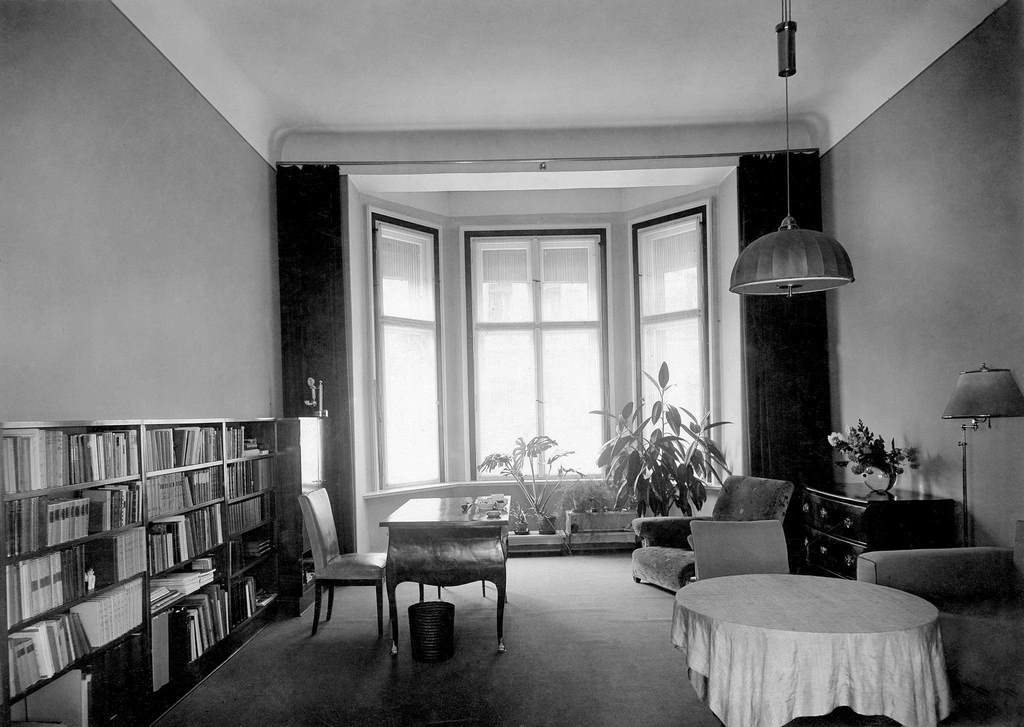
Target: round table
x,y
764,649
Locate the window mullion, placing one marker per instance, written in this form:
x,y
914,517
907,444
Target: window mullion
x,y
538,339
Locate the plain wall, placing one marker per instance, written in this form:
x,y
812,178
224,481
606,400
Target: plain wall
x,y
926,195
138,273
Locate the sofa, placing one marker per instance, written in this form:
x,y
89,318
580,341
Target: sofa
x,y
979,592
665,558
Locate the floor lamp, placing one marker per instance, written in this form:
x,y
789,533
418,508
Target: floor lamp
x,y
981,395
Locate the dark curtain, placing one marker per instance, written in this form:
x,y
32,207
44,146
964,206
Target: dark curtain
x,y
311,234
785,340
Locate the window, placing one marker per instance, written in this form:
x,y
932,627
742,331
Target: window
x,y
406,315
670,255
537,340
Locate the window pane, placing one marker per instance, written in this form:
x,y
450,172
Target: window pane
x,y
405,263
506,397
669,264
504,285
567,290
678,344
572,389
410,404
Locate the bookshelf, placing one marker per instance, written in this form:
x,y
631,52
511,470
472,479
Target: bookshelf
x,y
137,555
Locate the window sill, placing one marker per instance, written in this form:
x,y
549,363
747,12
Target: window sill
x,y
440,488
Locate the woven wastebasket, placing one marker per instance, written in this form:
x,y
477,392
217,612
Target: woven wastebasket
x,y
432,630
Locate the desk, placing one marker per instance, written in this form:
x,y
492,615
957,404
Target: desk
x,y
432,540
762,650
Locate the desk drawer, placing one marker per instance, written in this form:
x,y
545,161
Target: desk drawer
x,y
832,554
834,517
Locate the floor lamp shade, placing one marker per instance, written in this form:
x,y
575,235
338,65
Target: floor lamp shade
x,y
985,393
791,260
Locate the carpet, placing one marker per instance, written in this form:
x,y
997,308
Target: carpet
x,y
585,646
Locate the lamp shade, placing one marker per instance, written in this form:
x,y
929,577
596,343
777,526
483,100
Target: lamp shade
x,y
791,260
984,393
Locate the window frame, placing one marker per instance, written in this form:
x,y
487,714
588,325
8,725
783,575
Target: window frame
x,y
537,326
376,218
703,314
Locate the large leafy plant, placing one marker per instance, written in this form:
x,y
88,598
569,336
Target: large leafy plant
x,y
523,464
663,458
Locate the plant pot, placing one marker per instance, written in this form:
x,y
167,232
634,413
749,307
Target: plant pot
x,y
546,524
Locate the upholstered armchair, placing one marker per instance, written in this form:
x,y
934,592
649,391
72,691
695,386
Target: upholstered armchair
x,y
979,592
665,558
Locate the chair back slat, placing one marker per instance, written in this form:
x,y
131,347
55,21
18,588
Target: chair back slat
x,y
319,520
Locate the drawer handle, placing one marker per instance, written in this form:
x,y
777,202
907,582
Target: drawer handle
x,y
806,507
848,523
822,513
849,560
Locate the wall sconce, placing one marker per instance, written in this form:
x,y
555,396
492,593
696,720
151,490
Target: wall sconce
x,y
316,391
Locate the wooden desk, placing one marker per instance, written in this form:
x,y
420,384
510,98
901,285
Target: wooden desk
x,y
762,650
433,541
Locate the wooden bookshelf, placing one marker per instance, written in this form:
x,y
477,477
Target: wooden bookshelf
x,y
101,498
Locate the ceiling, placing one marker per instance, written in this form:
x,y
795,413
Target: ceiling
x,y
277,67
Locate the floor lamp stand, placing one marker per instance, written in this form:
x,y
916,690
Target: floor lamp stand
x,y
975,423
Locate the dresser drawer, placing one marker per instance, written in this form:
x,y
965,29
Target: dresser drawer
x,y
832,554
834,517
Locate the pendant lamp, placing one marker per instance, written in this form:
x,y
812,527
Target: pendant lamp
x,y
790,260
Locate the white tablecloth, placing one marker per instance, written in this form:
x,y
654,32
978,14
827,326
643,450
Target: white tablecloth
x,y
762,650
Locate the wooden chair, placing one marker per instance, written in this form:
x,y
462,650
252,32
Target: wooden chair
x,y
726,548
331,568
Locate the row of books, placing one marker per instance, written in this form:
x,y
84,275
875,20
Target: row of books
x,y
39,522
245,478
246,551
243,600
204,620
113,506
240,443
111,614
46,647
36,585
104,455
34,459
176,491
181,446
177,538
244,515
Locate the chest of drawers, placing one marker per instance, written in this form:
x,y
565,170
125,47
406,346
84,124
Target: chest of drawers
x,y
842,521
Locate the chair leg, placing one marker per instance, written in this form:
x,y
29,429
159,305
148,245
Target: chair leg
x,y
330,601
483,588
316,607
439,593
421,592
380,608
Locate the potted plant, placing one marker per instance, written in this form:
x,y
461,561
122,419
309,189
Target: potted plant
x,y
866,454
659,458
517,519
538,490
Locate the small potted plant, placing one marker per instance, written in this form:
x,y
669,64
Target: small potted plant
x,y
865,454
538,489
517,519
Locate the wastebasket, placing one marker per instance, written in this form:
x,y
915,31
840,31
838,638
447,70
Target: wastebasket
x,y
432,630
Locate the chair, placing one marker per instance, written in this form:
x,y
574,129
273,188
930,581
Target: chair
x,y
726,548
331,568
979,592
665,558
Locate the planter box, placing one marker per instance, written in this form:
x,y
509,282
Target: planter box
x,y
537,544
600,530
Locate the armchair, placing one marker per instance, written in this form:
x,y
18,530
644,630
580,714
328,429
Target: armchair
x,y
979,592
665,558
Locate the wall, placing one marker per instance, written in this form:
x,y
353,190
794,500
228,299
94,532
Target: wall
x,y
138,271
926,195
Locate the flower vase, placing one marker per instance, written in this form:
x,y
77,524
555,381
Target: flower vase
x,y
879,481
